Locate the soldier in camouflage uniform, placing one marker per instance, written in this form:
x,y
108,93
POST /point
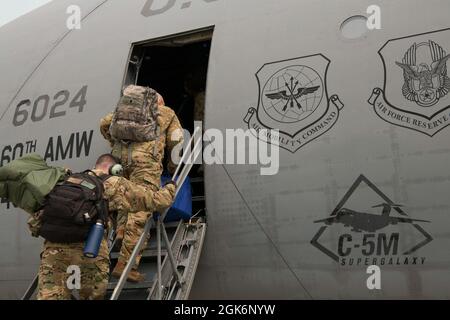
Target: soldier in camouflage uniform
x,y
122,196
143,164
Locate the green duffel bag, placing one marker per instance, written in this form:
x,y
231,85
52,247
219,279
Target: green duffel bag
x,y
26,181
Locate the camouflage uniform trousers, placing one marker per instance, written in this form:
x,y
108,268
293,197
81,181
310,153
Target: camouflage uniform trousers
x,y
53,272
134,223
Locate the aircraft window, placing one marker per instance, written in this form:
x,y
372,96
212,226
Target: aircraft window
x,y
354,27
177,68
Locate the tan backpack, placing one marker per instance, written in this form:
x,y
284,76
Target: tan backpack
x,y
136,115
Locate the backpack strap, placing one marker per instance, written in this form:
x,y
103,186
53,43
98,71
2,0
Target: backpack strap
x,y
155,114
104,177
100,202
145,104
130,158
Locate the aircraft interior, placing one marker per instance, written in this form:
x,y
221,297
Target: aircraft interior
x,y
177,68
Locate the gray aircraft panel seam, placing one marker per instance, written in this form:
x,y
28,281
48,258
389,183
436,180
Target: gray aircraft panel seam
x,y
262,227
266,234
58,42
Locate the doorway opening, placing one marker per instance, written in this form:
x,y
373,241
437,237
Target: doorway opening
x,y
176,67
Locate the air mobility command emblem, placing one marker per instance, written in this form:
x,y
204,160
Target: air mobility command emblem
x,y
293,99
416,83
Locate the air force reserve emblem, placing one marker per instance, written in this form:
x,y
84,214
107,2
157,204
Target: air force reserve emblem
x,y
416,83
293,100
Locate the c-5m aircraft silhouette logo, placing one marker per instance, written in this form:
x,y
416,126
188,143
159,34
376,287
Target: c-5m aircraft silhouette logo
x,y
368,222
365,223
292,97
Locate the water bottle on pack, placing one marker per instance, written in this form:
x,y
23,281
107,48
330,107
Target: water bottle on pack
x,y
94,240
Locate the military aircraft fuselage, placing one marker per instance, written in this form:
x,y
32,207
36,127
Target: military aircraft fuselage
x,y
319,79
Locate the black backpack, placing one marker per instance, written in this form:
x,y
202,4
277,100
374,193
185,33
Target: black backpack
x,y
72,207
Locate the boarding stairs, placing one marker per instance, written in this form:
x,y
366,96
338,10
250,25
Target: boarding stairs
x,y
170,259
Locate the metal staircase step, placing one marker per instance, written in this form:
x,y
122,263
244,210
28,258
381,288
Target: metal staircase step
x,y
148,253
170,227
197,180
131,286
199,198
186,246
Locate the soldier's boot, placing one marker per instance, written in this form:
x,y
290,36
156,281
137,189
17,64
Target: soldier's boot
x,y
133,276
136,276
118,269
